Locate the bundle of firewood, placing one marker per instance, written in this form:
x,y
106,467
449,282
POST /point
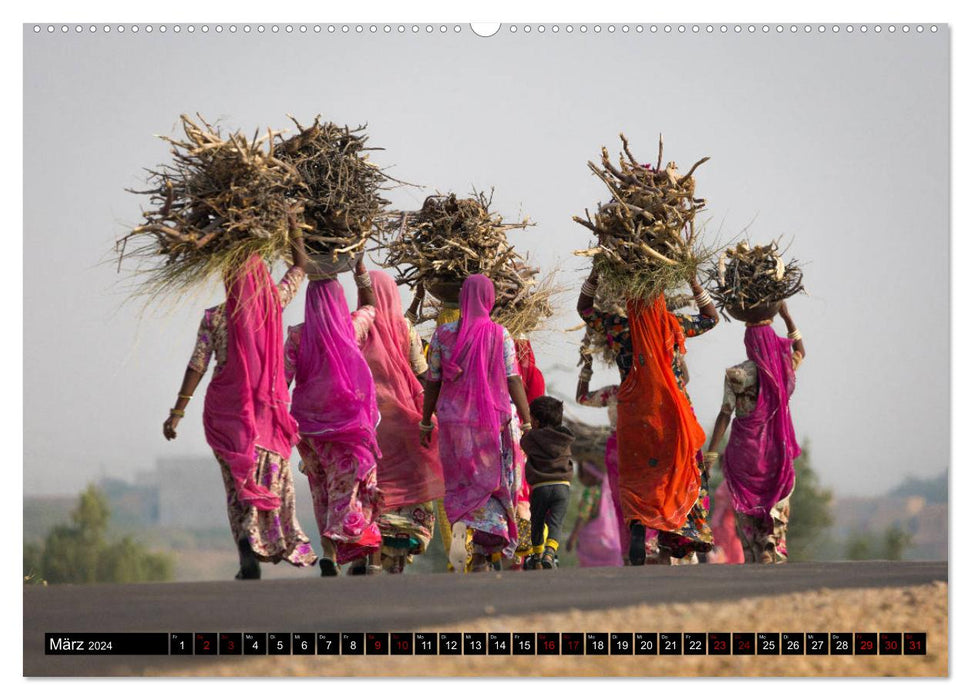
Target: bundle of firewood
x,y
646,238
223,198
749,277
220,200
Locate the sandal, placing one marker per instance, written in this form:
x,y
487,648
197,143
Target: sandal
x,y
328,567
374,569
549,559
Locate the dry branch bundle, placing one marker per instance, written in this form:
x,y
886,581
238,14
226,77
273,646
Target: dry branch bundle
x,y
646,238
339,186
220,200
450,238
748,277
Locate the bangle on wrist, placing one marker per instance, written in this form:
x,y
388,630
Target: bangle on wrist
x,y
426,427
703,298
795,335
589,289
176,412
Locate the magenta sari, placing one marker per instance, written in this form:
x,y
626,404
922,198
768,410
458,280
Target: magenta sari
x,y
407,472
758,460
335,405
473,409
598,542
246,402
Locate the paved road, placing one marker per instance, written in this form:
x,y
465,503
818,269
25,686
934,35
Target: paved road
x,y
401,603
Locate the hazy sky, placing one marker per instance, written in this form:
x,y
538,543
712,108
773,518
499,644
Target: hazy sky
x,y
839,144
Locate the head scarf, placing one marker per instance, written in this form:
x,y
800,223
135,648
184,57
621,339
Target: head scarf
x,y
533,380
657,432
475,371
758,460
333,398
246,402
407,472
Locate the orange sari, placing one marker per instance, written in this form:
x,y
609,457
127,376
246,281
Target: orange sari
x,y
657,432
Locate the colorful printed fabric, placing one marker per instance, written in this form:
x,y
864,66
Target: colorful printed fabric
x,y
603,397
273,535
764,541
345,496
616,329
407,529
211,337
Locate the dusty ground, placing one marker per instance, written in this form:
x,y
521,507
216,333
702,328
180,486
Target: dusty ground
x,y
913,609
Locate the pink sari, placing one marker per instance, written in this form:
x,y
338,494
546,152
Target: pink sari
x,y
408,473
598,543
246,402
473,406
728,548
758,460
334,403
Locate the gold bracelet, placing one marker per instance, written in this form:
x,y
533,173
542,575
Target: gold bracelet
x,y
795,335
176,412
187,397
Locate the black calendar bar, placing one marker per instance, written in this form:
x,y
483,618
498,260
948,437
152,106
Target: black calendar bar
x,y
487,644
68,644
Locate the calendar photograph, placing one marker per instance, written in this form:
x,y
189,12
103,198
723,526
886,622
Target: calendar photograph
x,y
613,349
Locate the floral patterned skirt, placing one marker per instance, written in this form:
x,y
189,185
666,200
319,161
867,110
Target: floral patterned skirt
x,y
345,495
494,528
764,539
273,535
407,530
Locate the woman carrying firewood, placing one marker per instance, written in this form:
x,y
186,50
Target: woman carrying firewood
x,y
335,405
471,377
409,474
758,460
663,482
246,420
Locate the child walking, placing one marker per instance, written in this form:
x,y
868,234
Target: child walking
x,y
548,473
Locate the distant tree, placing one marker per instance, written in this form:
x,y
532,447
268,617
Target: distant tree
x,y
80,553
896,540
858,547
890,546
811,510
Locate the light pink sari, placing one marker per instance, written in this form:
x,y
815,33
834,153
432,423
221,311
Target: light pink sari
x,y
407,472
246,402
758,460
474,405
598,542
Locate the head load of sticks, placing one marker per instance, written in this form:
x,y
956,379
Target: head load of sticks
x,y
749,277
646,238
450,238
223,198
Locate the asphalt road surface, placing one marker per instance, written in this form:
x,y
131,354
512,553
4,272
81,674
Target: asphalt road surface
x,y
403,603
